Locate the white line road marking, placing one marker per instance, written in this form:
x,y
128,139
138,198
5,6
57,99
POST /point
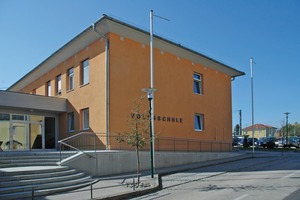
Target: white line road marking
x,y
241,197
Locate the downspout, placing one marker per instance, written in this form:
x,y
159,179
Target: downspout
x,y
106,83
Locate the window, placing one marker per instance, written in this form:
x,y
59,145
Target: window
x,y
85,119
197,83
71,121
4,117
18,117
85,72
71,78
58,85
199,122
48,92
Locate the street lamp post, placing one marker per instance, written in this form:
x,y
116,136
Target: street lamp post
x,y
287,127
252,101
150,98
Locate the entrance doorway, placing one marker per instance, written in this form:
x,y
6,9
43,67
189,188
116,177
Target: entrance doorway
x,y
49,132
26,132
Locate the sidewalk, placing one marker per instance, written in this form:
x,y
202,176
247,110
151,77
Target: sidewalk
x,y
119,189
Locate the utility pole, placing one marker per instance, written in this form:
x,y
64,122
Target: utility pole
x,y
240,112
153,89
252,101
287,127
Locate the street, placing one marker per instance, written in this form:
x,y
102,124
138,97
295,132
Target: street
x,y
267,175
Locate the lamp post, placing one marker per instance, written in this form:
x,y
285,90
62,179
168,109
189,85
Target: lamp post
x,y
287,126
150,98
252,101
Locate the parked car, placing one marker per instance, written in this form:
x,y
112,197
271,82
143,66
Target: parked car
x,y
250,141
268,142
262,142
235,141
279,142
294,141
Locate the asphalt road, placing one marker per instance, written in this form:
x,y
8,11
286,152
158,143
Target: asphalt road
x,y
264,176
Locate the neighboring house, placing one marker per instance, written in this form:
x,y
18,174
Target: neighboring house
x,y
90,84
260,131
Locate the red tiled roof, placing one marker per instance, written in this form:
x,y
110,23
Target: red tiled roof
x,y
258,126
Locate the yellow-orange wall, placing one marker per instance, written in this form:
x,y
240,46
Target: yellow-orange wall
x,y
130,72
129,69
90,96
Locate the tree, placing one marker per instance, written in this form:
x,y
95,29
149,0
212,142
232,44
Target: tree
x,y
237,129
294,129
136,136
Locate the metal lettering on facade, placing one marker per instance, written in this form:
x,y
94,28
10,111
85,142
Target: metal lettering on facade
x,y
158,118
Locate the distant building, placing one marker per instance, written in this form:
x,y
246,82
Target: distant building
x,y
260,131
90,83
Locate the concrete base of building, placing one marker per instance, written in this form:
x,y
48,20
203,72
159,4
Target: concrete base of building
x,y
107,163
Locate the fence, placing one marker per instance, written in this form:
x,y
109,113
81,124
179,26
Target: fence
x,y
88,141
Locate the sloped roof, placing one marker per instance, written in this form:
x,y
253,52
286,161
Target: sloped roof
x,y
258,127
108,24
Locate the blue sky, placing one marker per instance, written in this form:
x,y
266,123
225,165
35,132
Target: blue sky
x,y
230,31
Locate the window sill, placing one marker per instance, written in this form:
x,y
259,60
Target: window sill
x,y
70,90
84,84
199,130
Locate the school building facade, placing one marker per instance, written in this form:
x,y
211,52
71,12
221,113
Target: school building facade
x,y
90,84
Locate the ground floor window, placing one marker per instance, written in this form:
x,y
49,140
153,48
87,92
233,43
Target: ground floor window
x,y
71,121
199,122
85,119
26,132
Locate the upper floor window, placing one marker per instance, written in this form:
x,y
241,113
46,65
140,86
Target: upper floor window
x,y
58,84
85,72
198,84
85,119
199,122
71,78
48,89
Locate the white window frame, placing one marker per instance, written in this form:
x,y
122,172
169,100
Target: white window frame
x,y
49,88
85,117
85,72
71,79
198,81
58,84
199,122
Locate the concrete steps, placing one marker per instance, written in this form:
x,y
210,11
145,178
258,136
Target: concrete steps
x,y
36,174
21,159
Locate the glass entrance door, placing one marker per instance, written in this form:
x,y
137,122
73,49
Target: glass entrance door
x,y
36,136
19,139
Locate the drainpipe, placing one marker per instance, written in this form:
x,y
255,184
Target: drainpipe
x,y
107,82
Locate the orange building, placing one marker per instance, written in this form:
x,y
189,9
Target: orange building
x,y
101,71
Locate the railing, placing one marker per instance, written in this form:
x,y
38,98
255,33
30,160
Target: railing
x,y
83,142
170,144
86,142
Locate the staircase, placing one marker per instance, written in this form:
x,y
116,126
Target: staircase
x,y
33,174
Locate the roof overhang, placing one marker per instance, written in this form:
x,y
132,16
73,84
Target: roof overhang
x,y
106,25
28,102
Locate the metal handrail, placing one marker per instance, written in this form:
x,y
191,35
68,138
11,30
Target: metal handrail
x,y
63,142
